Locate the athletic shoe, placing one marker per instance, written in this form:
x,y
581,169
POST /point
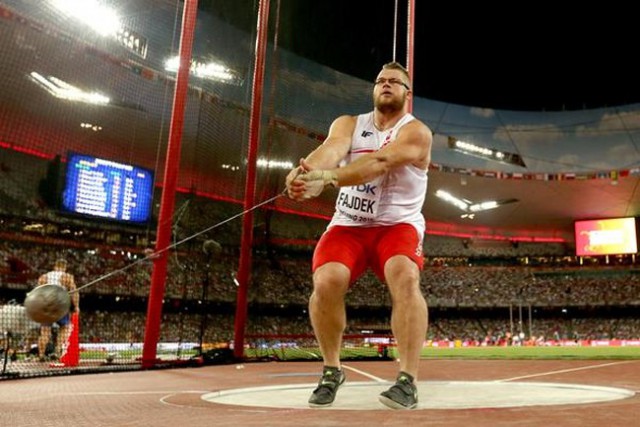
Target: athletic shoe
x,y
323,396
402,395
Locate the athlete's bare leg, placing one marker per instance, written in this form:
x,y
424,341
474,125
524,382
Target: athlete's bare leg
x,y
327,309
409,315
63,339
43,340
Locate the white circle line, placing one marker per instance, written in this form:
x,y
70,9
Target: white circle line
x,y
434,395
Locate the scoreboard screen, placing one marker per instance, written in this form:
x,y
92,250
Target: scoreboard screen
x,y
107,189
613,236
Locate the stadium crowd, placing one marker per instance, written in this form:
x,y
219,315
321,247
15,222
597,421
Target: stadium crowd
x,y
200,290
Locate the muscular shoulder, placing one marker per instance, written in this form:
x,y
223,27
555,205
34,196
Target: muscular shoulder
x,y
417,125
343,126
416,132
416,139
67,279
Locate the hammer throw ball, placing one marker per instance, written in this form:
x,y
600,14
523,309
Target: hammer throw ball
x,y
47,303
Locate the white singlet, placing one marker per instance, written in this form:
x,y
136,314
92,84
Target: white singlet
x,y
394,198
55,278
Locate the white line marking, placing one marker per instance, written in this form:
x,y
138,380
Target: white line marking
x,y
121,393
563,371
164,401
373,377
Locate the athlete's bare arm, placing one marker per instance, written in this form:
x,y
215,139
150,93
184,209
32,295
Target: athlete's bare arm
x,y
335,147
412,146
69,282
327,156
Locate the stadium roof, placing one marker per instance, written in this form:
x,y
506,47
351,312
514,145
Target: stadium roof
x,y
582,164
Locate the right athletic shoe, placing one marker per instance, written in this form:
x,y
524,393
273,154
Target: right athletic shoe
x,y
324,395
402,395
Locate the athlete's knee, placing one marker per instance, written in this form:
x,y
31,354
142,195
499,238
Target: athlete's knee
x,y
330,281
402,271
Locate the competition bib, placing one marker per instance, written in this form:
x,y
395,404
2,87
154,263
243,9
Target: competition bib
x,y
360,202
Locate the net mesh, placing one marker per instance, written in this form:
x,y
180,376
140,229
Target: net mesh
x,y
97,78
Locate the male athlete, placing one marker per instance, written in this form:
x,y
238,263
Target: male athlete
x,y
379,161
58,277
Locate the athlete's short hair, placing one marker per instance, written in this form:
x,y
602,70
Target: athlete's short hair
x,y
397,66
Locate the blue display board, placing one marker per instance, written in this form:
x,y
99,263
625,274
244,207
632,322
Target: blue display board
x,y
107,189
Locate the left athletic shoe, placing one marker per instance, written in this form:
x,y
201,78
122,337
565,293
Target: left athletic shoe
x,y
324,395
402,395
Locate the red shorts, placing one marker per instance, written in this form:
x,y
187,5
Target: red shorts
x,y
361,247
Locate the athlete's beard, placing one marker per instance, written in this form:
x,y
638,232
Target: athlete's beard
x,y
390,106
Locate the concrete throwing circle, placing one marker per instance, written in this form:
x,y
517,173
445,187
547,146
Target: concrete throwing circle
x,y
432,395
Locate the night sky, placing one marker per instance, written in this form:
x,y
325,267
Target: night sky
x,y
536,56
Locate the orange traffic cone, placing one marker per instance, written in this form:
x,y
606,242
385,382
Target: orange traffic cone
x,y
71,356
